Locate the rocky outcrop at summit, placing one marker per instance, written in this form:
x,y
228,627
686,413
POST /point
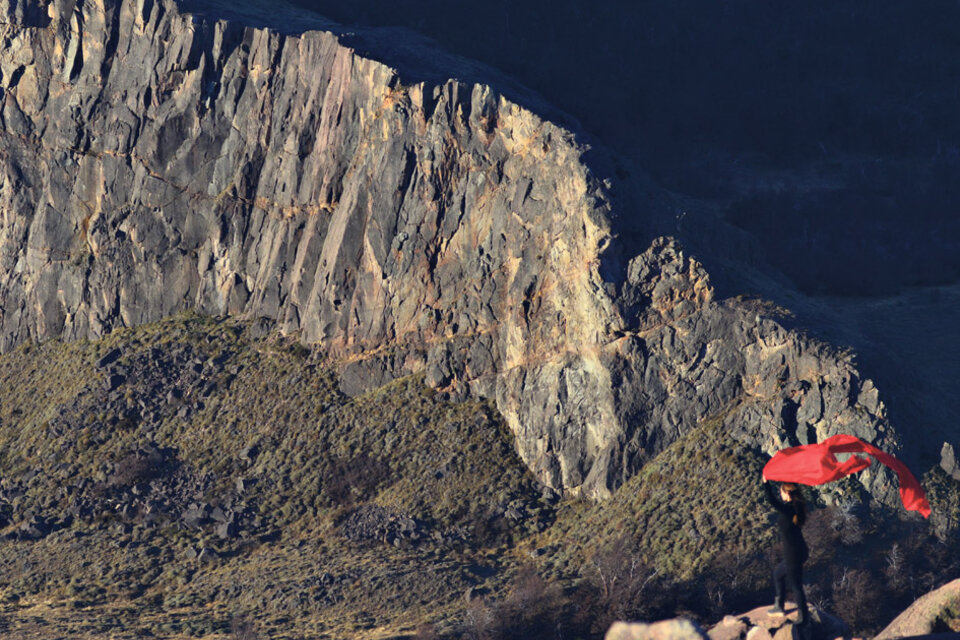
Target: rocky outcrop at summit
x,y
759,624
153,161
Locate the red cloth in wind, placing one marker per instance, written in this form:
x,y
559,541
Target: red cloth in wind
x,y
814,464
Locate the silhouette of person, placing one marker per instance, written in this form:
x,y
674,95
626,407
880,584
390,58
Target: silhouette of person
x,y
792,513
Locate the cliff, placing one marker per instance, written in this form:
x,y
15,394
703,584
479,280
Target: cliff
x,y
155,161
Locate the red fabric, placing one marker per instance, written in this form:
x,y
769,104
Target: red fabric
x,y
814,464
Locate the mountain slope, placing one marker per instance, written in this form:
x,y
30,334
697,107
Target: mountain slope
x,y
200,473
197,475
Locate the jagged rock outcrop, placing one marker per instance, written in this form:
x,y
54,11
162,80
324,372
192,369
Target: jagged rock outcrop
x,y
682,358
948,461
153,161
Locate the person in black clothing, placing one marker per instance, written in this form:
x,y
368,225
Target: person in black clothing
x,y
789,573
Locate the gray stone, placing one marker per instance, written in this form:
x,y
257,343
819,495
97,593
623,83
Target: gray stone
x,y
33,528
677,629
948,461
193,518
248,454
219,515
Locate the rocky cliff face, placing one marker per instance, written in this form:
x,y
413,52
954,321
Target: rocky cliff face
x,y
153,161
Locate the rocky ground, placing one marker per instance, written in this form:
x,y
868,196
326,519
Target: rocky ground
x,y
935,615
186,464
757,624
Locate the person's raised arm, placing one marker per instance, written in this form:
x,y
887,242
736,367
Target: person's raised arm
x,y
774,501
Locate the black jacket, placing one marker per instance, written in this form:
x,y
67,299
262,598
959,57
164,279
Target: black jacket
x,y
795,550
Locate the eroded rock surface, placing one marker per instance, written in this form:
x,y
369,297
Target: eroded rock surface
x,y
153,161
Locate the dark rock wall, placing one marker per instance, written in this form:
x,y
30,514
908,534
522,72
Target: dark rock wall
x,y
153,162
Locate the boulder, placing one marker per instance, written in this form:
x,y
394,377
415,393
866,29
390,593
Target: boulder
x,y
676,629
226,530
732,628
113,381
760,624
937,611
194,518
33,528
248,454
758,633
109,358
221,516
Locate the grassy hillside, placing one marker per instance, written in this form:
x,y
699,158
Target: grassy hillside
x,y
345,514
205,478
700,498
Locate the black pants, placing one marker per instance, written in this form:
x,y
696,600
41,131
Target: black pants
x,y
790,576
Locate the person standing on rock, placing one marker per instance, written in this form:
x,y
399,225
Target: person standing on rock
x,y
789,573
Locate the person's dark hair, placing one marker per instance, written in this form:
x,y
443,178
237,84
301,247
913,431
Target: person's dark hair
x,y
796,499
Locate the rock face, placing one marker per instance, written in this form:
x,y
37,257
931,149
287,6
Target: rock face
x,y
681,357
153,161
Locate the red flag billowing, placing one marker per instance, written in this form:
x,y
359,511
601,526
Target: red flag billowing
x,y
814,464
